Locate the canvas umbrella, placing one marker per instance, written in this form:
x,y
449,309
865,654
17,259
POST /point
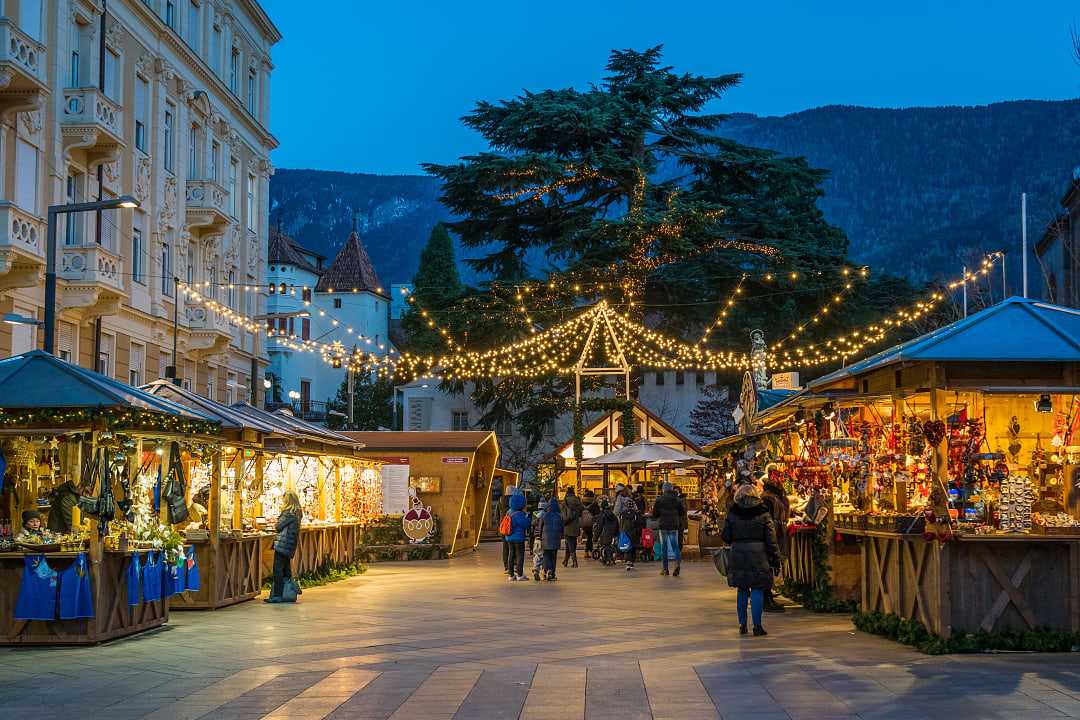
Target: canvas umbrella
x,y
644,452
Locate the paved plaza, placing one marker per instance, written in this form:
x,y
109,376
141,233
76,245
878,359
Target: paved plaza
x,y
457,640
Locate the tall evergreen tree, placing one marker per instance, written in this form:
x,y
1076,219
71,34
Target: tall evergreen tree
x,y
437,284
372,404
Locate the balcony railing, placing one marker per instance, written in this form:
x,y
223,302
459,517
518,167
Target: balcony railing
x,y
89,107
19,230
92,264
312,410
21,54
207,204
203,319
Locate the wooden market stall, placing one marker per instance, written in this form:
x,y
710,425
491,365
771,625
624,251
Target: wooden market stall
x,y
607,434
971,519
228,546
338,488
450,472
75,447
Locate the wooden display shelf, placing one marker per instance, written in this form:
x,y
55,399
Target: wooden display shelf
x,y
113,617
229,573
318,545
1025,582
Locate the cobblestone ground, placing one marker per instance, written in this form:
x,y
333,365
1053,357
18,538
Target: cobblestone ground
x,y
457,640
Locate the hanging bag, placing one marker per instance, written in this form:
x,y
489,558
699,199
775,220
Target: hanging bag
x,y
290,590
506,526
624,544
722,559
175,489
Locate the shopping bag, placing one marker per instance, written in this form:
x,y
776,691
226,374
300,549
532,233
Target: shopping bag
x,y
721,558
290,591
624,544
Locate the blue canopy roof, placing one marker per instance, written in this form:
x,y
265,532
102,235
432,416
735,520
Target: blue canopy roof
x,y
39,380
1015,330
227,416
767,398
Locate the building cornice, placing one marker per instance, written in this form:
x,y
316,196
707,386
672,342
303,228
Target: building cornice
x,y
266,25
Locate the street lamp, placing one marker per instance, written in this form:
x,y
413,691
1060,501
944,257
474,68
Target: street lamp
x,y
124,201
16,319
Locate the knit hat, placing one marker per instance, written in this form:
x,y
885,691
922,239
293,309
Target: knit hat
x,y
667,487
29,515
619,487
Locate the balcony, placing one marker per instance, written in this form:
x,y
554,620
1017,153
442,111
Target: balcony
x,y
210,332
207,206
22,69
22,248
94,280
92,124
316,411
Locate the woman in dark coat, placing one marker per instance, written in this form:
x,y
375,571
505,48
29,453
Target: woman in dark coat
x,y
606,531
551,535
288,534
755,556
572,509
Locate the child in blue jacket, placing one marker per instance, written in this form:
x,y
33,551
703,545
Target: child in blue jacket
x,y
519,528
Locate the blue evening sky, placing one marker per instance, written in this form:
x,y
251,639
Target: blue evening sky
x,y
380,86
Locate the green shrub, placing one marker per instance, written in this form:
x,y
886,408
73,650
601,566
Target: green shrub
x,y
915,634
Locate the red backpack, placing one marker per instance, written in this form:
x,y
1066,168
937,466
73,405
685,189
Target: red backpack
x,y
506,527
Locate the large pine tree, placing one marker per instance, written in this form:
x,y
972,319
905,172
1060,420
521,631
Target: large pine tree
x,y
627,184
437,284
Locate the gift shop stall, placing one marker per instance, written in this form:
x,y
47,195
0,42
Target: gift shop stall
x,y
227,544
339,490
963,476
92,494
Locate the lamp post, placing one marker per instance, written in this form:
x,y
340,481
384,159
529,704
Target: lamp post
x,y
124,201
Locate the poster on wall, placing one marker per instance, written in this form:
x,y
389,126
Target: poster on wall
x,y
395,489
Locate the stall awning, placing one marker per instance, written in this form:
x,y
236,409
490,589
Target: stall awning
x,y
1014,330
292,427
42,381
421,440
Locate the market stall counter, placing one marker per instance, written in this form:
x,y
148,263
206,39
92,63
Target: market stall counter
x,y
83,557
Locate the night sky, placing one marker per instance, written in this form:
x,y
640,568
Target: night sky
x,y
380,87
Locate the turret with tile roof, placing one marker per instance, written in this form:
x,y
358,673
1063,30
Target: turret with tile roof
x,y
352,270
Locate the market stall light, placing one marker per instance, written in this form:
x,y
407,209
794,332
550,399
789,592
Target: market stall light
x,y
267,383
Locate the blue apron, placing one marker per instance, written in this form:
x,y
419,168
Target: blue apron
x,y
134,579
172,579
37,593
151,577
75,598
192,569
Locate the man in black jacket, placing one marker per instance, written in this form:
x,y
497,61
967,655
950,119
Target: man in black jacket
x,y
670,513
775,499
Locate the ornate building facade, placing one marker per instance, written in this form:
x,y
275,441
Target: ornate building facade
x,y
165,100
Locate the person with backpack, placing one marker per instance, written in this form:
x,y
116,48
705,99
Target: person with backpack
x,y
502,509
607,531
670,514
754,555
288,535
631,523
572,509
516,526
551,536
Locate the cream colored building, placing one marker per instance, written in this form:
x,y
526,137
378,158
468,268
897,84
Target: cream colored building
x,y
175,114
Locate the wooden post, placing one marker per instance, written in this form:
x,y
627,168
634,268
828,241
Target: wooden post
x,y
238,489
215,496
163,466
337,489
260,468
320,475
941,467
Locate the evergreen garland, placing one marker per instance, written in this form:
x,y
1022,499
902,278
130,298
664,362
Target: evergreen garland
x,y
915,634
626,421
818,595
123,419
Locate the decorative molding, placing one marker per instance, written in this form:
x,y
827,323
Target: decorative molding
x,y
114,35
143,170
167,211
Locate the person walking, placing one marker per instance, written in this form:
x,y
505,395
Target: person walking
x,y
670,513
588,519
755,556
631,522
535,531
622,497
519,529
288,534
551,535
776,500
502,507
607,532
572,510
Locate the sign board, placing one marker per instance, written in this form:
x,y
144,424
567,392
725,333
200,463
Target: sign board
x,y
395,489
455,460
785,381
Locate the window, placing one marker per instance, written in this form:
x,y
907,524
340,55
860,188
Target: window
x,y
170,13
337,303
142,93
137,250
699,378
113,80
190,264
234,71
193,153
459,420
187,383
73,222
419,414
660,377
22,337
163,364
193,29
73,69
210,384
136,365
215,50
30,18
104,358
251,92
305,294
305,329
232,289
504,426
166,270
109,224
230,388
66,341
215,161
549,427
169,114
251,180
26,176
680,378
305,396
234,198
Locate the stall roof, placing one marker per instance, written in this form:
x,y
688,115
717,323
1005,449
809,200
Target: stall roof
x,y
769,398
39,380
230,418
1014,330
291,426
422,440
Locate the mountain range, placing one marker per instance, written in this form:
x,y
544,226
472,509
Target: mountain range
x,y
919,191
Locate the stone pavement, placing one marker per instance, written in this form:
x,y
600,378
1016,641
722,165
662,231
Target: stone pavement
x,y
457,640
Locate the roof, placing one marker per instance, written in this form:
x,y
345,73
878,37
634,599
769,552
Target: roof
x,y
768,398
351,270
1014,330
290,426
230,418
653,418
37,379
421,440
283,249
